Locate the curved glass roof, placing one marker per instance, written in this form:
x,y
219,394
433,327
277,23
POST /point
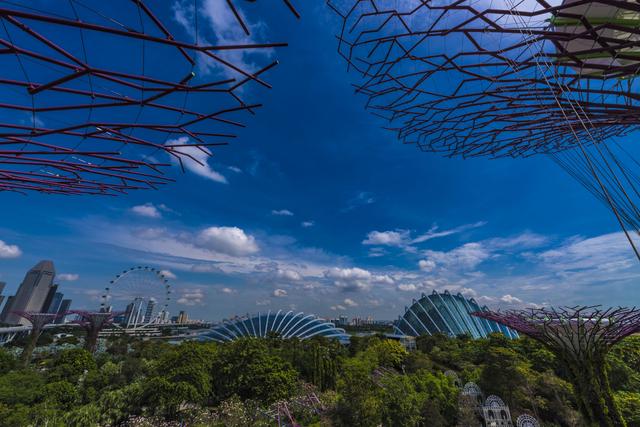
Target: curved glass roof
x,y
448,314
285,324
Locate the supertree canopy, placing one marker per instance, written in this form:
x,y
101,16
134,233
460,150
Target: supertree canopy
x,y
93,322
506,79
100,97
580,337
38,321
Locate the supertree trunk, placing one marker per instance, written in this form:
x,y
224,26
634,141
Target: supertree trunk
x,y
38,322
593,393
580,337
27,351
91,340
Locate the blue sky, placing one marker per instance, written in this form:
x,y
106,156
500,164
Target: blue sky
x,y
314,207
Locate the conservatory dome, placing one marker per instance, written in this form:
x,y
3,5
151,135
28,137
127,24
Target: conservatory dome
x,y
448,314
285,324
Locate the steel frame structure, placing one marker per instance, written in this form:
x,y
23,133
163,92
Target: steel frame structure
x,y
510,79
93,322
76,122
447,314
285,324
139,285
516,90
38,321
580,337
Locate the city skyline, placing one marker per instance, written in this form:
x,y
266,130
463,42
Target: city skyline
x,y
331,219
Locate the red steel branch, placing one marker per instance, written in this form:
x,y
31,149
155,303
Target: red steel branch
x,y
93,150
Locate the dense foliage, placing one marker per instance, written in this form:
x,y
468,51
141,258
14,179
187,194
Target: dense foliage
x,y
371,382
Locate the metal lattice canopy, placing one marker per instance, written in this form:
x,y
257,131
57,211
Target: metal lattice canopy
x,y
507,79
580,338
575,331
38,319
499,79
100,97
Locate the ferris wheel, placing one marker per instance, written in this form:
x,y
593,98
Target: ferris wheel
x,y
141,293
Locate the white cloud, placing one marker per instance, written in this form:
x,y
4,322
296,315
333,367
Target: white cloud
x,y
234,169
338,307
427,265
282,212
224,28
467,256
9,251
521,241
608,252
262,302
408,287
356,279
279,293
387,238
361,199
227,240
402,238
191,297
205,268
471,255
147,210
350,303
291,275
307,224
68,277
228,291
468,292
434,233
485,299
510,299
376,252
351,279
168,274
195,159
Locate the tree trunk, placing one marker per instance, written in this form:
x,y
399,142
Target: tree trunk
x,y
27,351
593,393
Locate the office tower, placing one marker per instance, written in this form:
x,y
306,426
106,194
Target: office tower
x,y
64,307
164,317
134,314
49,299
5,310
55,302
148,315
32,293
183,317
2,285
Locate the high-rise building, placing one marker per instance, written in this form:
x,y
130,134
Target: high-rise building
x,y
164,317
5,310
47,302
183,317
134,314
32,292
55,302
2,285
148,315
64,307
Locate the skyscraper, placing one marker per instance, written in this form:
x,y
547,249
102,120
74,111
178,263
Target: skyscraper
x,y
5,310
49,299
32,293
134,313
2,285
64,307
183,317
148,315
55,302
